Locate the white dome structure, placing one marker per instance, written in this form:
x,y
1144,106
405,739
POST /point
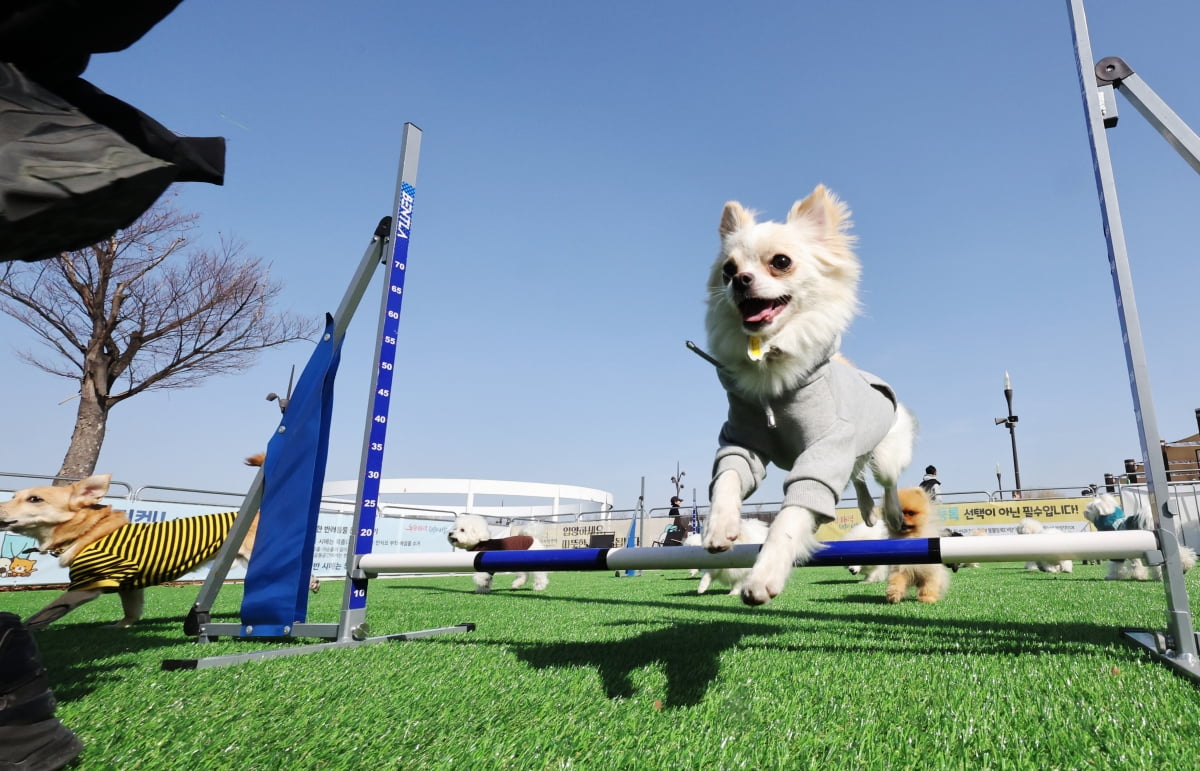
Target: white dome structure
x,y
489,497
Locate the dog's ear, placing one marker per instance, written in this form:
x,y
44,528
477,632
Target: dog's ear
x,y
824,210
735,217
88,492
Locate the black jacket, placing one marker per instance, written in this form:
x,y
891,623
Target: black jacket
x,y
77,164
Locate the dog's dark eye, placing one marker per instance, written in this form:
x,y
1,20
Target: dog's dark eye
x,y
781,262
729,270
33,499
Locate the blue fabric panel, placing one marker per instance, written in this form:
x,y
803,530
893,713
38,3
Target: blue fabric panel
x,y
277,579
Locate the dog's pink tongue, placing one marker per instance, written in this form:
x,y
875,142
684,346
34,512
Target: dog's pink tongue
x,y
761,316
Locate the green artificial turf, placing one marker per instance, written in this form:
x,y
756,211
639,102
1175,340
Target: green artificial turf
x,y
1012,670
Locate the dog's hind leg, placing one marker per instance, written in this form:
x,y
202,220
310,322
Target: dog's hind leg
x,y
519,581
888,461
62,605
866,503
132,602
897,586
932,583
791,539
540,581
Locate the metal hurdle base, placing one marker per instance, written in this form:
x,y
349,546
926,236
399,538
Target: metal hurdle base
x,y
1164,650
234,659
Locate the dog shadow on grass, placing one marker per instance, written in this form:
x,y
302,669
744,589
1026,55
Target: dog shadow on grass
x,y
688,654
863,624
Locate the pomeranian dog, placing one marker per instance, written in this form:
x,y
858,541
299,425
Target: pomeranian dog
x,y
872,574
753,531
931,581
780,296
1106,515
471,532
1030,526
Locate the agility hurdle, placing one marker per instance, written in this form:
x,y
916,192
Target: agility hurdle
x,y
901,551
286,493
1177,647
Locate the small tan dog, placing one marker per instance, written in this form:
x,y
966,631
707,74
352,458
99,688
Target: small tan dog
x,y
931,581
104,551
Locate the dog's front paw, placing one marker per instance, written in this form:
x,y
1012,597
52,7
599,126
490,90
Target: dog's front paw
x,y
757,591
519,581
766,580
724,524
721,536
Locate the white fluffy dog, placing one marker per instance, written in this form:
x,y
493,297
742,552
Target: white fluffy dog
x,y
471,532
693,539
780,296
1029,526
1105,514
753,531
872,574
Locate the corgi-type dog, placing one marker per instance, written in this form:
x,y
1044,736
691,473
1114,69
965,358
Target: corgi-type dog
x,y
931,581
104,551
780,295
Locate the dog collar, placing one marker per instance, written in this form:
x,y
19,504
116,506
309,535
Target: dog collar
x,y
52,552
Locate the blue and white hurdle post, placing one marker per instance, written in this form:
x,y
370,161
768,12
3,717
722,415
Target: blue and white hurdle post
x,y
904,551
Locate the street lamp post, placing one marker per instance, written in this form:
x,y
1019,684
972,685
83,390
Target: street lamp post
x,y
677,480
1010,422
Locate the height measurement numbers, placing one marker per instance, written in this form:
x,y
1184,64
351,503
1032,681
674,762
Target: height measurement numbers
x,y
381,400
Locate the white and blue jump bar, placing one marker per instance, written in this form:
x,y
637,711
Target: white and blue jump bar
x,y
905,551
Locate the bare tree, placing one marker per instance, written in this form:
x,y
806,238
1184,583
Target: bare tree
x,y
141,311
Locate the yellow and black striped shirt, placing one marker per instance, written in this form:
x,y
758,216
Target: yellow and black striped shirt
x,y
145,554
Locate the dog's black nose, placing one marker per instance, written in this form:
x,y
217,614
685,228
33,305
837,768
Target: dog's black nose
x,y
744,279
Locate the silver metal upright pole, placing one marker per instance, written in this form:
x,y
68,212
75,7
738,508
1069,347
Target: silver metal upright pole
x,y
352,625
1180,650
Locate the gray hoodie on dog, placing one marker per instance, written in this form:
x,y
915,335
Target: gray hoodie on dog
x,y
836,414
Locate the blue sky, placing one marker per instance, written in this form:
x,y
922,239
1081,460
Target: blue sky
x,y
574,163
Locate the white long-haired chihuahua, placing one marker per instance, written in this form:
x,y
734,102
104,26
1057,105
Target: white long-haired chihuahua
x,y
780,296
